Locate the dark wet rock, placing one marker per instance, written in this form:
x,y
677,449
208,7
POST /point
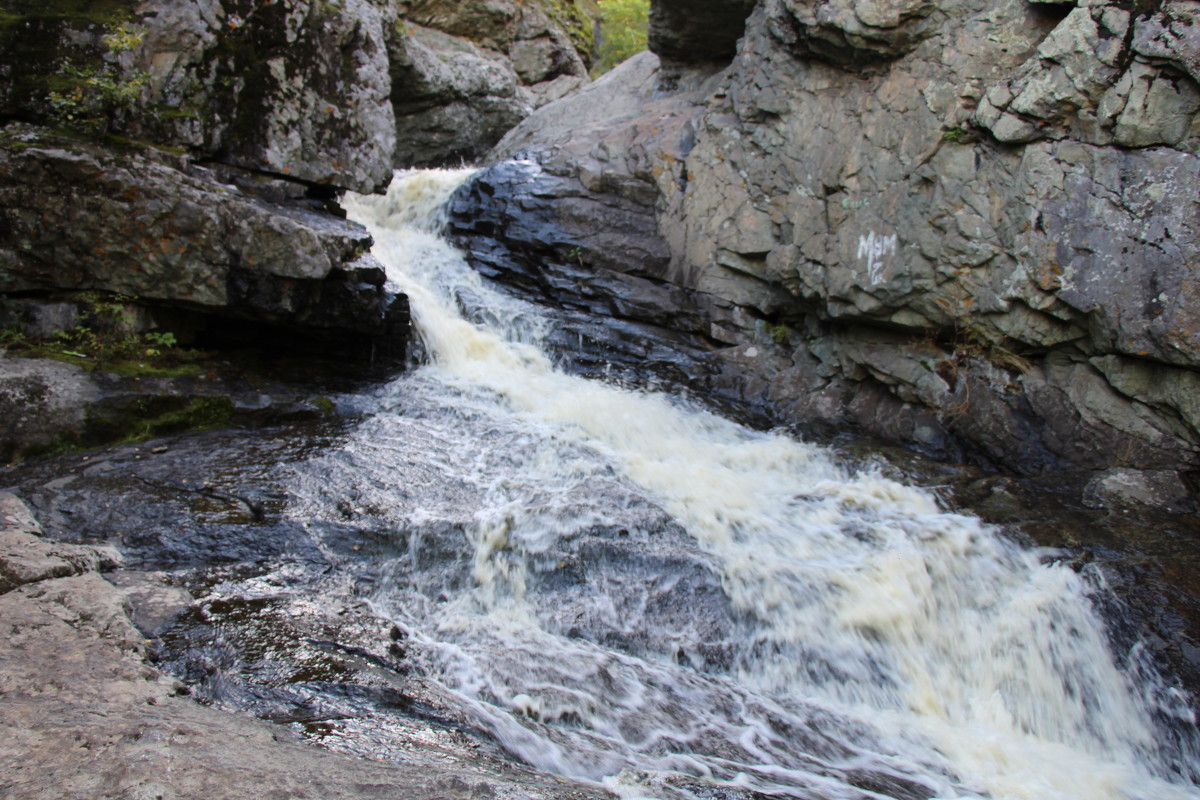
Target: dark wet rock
x,y
1129,487
153,602
88,716
54,407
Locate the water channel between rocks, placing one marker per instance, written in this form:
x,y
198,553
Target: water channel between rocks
x,y
612,585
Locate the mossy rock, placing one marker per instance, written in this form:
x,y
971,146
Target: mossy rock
x,y
34,42
133,419
578,19
75,12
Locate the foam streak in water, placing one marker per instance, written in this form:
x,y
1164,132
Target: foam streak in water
x,y
874,646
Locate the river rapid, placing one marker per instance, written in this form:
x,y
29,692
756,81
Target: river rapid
x,y
621,587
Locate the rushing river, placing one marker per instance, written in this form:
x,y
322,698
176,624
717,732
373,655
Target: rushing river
x,y
620,588
489,558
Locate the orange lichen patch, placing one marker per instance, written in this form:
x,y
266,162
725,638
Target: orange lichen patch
x,y
1048,275
1184,325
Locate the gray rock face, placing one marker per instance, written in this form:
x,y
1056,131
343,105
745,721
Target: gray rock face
x,y
464,73
41,403
1128,487
967,225
315,91
453,98
298,89
851,33
1103,76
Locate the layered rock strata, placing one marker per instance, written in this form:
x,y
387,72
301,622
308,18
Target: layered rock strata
x,y
966,225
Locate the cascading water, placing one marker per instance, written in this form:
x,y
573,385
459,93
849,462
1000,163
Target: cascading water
x,y
623,589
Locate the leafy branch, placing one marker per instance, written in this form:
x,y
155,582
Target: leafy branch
x,y
86,97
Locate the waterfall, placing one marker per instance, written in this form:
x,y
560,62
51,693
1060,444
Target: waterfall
x,y
622,588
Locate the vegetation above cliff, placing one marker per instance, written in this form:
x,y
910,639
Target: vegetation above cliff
x,y
623,28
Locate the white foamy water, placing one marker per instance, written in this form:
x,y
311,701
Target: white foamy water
x,y
660,599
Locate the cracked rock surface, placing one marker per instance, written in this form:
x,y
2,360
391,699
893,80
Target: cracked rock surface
x,y
969,226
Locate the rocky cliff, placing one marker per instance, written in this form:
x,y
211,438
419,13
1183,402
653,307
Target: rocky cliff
x,y
186,154
969,225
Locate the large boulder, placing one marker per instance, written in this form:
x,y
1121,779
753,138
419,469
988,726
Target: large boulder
x,y
464,73
79,217
42,403
298,89
853,33
317,92
453,98
968,225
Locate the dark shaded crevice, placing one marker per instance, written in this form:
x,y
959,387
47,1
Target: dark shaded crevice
x,y
704,31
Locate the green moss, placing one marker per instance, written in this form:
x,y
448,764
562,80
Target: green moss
x,y
129,420
133,420
55,52
13,144
324,404
778,332
129,368
141,369
957,135
75,12
128,145
576,17
104,338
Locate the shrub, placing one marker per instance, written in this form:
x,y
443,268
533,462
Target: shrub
x,y
623,27
86,97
